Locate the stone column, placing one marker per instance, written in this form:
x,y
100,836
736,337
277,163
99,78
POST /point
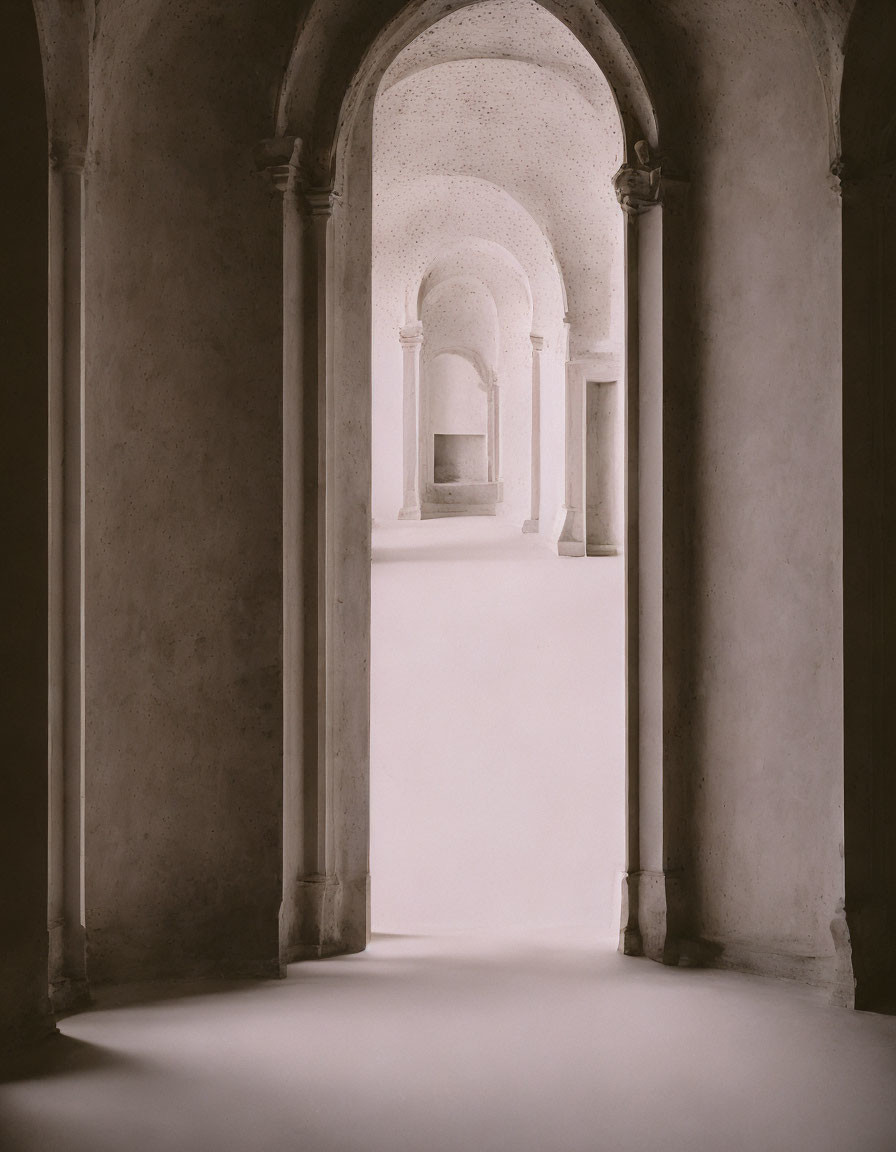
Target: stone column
x,y
600,466
411,338
493,392
67,963
317,890
531,525
657,917
307,910
280,158
496,390
571,537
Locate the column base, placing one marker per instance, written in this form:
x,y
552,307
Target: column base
x,y
601,550
530,526
630,943
315,920
68,985
409,514
570,536
68,996
652,918
330,917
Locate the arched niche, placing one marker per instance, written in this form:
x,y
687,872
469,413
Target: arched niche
x,y
868,125
322,162
460,416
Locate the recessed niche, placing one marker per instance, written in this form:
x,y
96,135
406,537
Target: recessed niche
x,y
459,458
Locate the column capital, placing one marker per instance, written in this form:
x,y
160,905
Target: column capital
x,y
642,185
322,201
637,186
410,335
279,159
537,342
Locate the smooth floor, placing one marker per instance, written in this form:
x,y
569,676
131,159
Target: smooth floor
x,y
496,808
497,741
453,1044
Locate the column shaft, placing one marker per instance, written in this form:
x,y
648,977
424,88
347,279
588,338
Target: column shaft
x,y
657,908
295,592
531,525
571,539
600,467
68,976
411,338
496,430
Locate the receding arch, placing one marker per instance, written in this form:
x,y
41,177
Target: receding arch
x,y
329,75
442,266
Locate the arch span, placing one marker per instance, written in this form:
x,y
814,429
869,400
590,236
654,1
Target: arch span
x,y
328,361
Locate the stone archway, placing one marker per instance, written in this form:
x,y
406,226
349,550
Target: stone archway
x,y
325,175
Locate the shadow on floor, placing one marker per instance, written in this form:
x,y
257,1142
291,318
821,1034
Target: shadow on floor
x,y
60,1055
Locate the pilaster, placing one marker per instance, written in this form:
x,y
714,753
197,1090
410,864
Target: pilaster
x,y
657,914
310,890
66,918
532,523
411,339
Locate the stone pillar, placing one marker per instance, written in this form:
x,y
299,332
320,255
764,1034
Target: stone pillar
x,y
317,887
411,338
496,389
571,537
531,525
600,467
493,393
281,160
307,915
67,962
656,906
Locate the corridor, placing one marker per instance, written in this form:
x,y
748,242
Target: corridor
x,y
497,742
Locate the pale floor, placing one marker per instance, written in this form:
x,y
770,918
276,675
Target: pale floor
x,y
496,798
497,730
468,1045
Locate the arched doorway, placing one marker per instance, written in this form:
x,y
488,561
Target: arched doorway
x,y
496,668
322,163
868,124
497,744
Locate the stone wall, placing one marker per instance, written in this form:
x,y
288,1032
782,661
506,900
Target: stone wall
x,y
183,464
767,722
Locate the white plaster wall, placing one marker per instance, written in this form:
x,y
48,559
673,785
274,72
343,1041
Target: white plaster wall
x,y
457,401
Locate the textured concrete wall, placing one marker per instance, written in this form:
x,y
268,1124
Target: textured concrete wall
x,y
23,530
767,719
183,461
183,473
